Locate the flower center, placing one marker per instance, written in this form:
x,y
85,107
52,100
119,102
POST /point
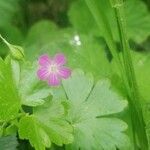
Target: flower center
x,y
53,68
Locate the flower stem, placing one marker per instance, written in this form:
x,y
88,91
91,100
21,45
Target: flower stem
x,y
133,93
104,27
103,24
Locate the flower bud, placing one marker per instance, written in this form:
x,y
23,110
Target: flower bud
x,y
16,52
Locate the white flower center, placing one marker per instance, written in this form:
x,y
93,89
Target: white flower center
x,y
53,68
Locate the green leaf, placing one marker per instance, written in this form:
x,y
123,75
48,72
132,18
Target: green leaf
x,y
73,91
141,64
48,40
89,114
51,116
9,98
34,31
8,143
46,125
138,21
30,129
32,91
84,23
90,56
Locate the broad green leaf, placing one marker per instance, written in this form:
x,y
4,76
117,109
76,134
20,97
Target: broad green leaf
x,y
48,40
8,143
141,64
9,98
89,114
47,125
32,91
84,23
30,129
138,21
36,31
51,116
74,92
107,101
91,56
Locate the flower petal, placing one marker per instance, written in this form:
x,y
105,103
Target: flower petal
x,y
44,60
42,73
60,59
54,79
64,72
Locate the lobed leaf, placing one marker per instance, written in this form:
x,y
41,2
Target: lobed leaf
x,y
89,114
30,129
46,125
51,116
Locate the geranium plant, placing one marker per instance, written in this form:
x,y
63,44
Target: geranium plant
x,y
79,87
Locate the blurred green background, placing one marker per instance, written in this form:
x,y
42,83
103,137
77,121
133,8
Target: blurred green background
x,y
18,16
25,22
50,26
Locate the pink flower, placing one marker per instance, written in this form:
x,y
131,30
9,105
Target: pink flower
x,y
53,70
